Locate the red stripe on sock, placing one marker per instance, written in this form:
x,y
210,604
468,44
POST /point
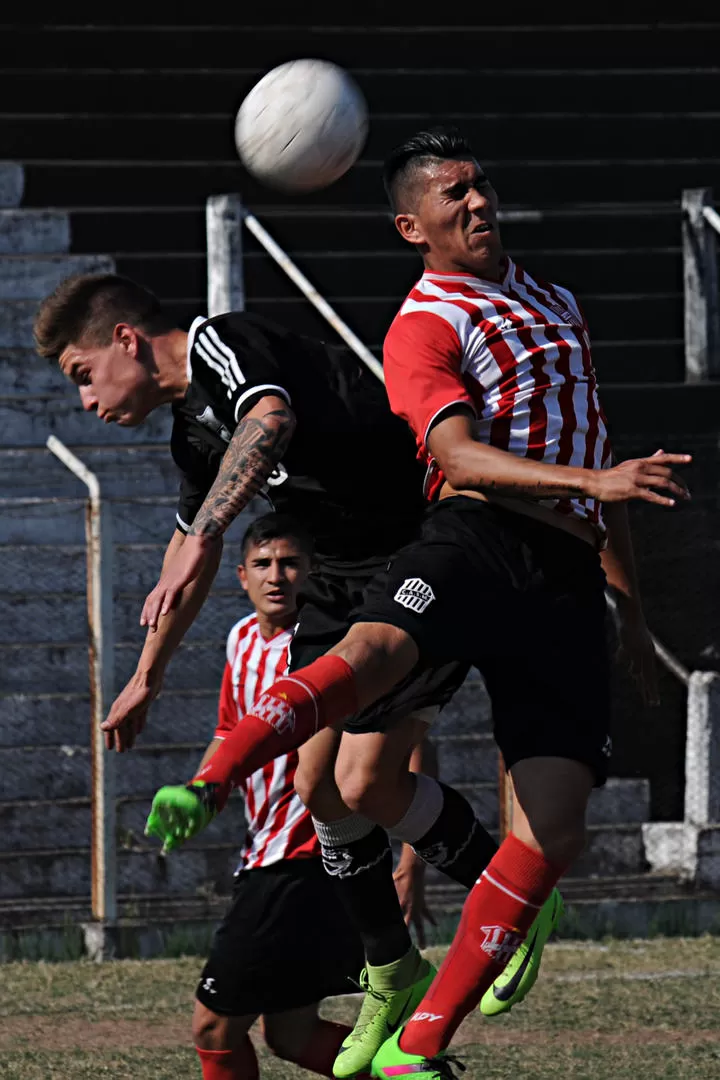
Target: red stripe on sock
x,y
497,915
283,718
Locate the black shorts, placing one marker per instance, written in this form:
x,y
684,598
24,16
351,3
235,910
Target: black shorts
x,y
284,943
524,602
328,603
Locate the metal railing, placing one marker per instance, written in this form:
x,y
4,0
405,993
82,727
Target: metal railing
x,y
99,555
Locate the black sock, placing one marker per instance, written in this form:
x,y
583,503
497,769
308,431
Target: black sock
x,y
362,874
457,843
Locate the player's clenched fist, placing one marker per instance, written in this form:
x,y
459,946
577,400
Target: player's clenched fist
x,y
639,478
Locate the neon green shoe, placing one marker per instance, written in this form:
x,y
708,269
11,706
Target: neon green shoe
x,y
392,993
520,975
179,812
390,1060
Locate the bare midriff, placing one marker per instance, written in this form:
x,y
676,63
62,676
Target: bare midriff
x,y
584,530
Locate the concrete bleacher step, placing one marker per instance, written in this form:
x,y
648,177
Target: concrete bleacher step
x,y
511,46
209,136
137,567
393,270
612,850
62,667
64,771
65,823
32,277
136,519
125,468
430,88
180,183
52,719
23,372
27,421
36,520
149,229
63,872
12,183
43,823
34,232
62,616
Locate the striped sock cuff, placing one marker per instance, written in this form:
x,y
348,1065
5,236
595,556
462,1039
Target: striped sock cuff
x,y
346,830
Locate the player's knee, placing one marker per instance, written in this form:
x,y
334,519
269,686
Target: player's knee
x,y
315,790
209,1031
361,787
563,843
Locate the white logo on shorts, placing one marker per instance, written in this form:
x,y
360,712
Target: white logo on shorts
x,y
414,594
208,985
607,747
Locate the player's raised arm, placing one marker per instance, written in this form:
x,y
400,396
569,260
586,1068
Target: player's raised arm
x,y
469,464
257,445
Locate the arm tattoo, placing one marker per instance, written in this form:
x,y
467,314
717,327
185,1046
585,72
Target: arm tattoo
x,y
253,452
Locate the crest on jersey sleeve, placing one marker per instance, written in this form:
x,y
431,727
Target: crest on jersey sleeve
x,y
415,594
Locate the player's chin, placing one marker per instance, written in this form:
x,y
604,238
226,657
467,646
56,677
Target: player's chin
x,y
278,608
129,420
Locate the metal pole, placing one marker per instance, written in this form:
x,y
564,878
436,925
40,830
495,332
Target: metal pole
x,y
101,656
702,326
226,286
702,750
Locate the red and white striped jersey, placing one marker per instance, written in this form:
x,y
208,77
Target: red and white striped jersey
x,y
518,353
279,826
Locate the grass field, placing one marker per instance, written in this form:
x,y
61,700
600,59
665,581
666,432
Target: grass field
x,y
620,1010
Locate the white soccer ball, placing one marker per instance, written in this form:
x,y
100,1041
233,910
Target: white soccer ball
x,y
302,126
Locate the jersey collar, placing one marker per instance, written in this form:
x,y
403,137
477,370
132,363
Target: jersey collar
x,y
506,282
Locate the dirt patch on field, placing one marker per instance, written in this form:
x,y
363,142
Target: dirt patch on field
x,y
74,1033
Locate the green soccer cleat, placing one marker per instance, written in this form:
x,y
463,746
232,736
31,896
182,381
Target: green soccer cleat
x,y
520,975
392,993
391,1061
180,812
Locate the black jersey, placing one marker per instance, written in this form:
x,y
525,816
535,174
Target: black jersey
x,y
350,472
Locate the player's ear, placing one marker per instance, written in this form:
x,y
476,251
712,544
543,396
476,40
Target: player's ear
x,y
407,226
242,576
127,338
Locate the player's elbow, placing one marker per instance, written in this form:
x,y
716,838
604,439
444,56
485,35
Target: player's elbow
x,y
457,468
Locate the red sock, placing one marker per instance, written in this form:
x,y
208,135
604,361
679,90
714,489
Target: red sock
x,y
283,718
323,1046
497,915
238,1064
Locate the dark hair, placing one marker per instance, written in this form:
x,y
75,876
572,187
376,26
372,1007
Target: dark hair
x,y
404,160
86,308
276,527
